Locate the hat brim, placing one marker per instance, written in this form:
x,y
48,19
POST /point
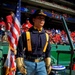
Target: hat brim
x,y
33,16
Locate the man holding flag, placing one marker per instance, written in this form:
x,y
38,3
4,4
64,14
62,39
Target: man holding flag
x,y
13,30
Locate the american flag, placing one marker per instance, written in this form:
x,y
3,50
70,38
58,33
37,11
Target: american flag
x,y
13,36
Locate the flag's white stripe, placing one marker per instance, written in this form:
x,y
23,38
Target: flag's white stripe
x,y
15,46
15,31
12,39
17,22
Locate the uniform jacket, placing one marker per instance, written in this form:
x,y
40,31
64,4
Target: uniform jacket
x,y
38,40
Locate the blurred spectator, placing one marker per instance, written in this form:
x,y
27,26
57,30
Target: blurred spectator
x,y
2,28
65,16
58,31
53,31
53,14
26,25
9,20
57,38
73,37
2,24
63,32
51,38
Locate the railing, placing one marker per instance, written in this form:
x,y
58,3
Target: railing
x,y
52,6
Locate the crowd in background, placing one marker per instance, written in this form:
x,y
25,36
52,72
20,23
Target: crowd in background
x,y
57,36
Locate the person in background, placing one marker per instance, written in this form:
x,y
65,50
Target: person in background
x,y
2,28
35,60
26,25
9,21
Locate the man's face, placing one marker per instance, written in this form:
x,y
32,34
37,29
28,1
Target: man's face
x,y
39,21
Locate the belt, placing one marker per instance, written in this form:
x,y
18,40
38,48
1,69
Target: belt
x,y
35,59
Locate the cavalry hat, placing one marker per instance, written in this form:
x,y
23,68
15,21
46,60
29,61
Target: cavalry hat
x,y
38,12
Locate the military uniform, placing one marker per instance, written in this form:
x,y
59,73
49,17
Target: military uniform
x,y
34,53
38,41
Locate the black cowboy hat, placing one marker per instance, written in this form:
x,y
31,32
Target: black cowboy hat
x,y
38,12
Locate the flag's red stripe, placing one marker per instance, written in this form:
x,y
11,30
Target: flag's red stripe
x,y
17,28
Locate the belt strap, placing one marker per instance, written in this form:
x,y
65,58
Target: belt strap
x,y
28,41
35,60
47,38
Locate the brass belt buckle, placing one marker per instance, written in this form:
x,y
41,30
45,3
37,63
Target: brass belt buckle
x,y
36,60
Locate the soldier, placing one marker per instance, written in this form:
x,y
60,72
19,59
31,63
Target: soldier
x,y
33,50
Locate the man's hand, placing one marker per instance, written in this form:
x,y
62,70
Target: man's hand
x,y
21,66
22,70
48,69
48,64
